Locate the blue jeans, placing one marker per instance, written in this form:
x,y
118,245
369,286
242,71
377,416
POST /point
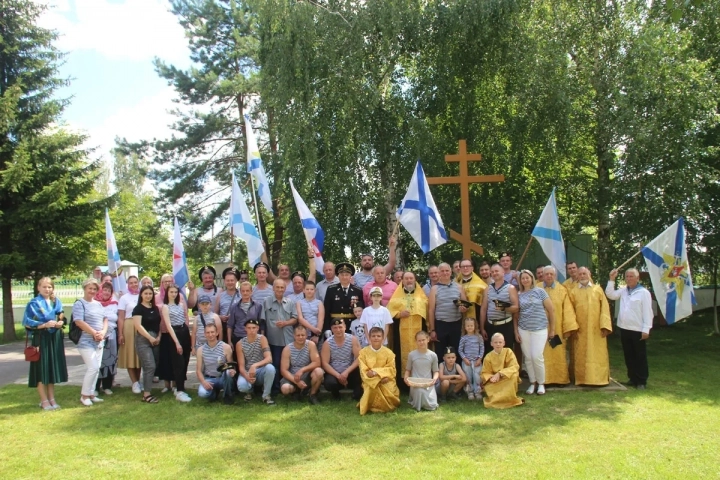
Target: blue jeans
x,y
223,382
264,377
473,376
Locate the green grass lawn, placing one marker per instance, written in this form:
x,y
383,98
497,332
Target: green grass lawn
x,y
667,431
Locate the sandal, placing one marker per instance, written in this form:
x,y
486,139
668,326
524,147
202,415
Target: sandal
x,y
150,399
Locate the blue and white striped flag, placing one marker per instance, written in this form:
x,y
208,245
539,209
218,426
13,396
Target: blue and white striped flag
x,y
667,264
255,167
113,255
314,233
243,226
419,215
547,233
180,270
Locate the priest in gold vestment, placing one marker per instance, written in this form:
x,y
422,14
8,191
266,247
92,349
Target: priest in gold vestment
x,y
556,364
474,287
589,344
408,308
500,376
377,371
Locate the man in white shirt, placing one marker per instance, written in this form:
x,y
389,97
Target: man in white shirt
x,y
634,321
330,279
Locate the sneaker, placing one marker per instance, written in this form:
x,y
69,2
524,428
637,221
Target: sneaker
x,y
471,396
641,386
86,401
96,393
269,401
248,397
107,391
531,389
182,397
136,388
156,379
165,390
541,390
313,400
96,400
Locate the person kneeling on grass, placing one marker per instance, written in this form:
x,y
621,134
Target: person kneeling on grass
x,y
422,363
300,365
500,375
339,356
255,366
210,356
452,378
377,370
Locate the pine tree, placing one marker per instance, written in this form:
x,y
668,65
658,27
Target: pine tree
x,y
45,178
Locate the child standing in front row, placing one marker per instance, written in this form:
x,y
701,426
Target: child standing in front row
x,y
452,378
358,329
471,350
422,363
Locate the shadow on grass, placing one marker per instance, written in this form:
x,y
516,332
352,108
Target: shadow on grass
x,y
683,361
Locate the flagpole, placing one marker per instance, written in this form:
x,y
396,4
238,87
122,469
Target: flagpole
x,y
527,247
628,260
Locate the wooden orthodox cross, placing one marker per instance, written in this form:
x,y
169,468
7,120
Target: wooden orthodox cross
x,y
464,180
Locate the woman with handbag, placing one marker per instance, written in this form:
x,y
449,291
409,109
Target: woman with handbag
x,y
44,320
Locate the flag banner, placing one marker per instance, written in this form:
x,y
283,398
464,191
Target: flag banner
x,y
419,215
314,233
180,270
547,233
666,260
255,166
114,267
243,226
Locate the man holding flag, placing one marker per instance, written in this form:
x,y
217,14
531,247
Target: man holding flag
x,y
634,322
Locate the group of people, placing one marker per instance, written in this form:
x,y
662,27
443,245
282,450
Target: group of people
x,y
356,330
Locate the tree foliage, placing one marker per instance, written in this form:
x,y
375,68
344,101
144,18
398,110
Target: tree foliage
x,y
46,181
610,102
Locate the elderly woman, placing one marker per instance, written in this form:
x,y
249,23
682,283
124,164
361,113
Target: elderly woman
x,y
89,316
127,358
44,320
108,366
445,311
536,325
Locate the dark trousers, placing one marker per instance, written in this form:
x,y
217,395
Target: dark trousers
x,y
635,351
276,352
507,330
448,335
333,386
106,383
180,361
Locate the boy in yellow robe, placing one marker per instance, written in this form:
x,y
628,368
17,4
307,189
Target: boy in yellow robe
x,y
500,376
589,344
377,371
556,365
408,307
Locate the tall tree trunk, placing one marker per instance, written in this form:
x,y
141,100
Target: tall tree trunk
x,y
277,220
8,318
604,202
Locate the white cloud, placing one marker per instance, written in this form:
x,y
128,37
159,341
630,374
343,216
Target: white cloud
x,y
145,120
135,29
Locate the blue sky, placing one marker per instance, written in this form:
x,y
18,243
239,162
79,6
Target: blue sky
x,y
110,45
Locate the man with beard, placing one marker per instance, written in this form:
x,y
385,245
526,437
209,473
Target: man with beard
x,y
367,262
409,307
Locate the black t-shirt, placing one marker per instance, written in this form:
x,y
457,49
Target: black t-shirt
x,y
150,317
